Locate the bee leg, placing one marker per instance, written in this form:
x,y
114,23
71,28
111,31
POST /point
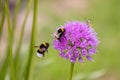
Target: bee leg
x,y
36,46
59,40
43,54
47,51
64,36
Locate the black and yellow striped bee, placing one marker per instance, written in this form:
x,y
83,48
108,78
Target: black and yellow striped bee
x,y
42,49
59,33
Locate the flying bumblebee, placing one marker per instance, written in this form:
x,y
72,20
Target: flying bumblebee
x,y
42,49
59,33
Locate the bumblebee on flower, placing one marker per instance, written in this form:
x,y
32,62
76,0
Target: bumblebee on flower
x,y
78,40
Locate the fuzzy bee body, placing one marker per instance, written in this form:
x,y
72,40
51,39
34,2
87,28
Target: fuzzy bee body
x,y
59,33
42,49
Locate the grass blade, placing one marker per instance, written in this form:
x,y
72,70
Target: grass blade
x,y
32,43
18,2
17,57
3,69
2,20
10,41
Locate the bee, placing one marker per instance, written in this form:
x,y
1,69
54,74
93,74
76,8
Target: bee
x,y
59,33
88,23
42,49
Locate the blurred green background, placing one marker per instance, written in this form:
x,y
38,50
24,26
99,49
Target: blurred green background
x,y
104,16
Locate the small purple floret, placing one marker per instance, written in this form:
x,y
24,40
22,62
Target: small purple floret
x,y
79,41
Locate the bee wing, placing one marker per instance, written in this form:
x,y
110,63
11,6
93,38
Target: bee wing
x,y
54,35
47,51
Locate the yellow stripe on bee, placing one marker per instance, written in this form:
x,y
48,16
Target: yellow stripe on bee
x,y
62,29
44,44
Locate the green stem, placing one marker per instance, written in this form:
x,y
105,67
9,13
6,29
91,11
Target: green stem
x,y
2,20
32,40
17,57
3,68
10,41
17,6
71,70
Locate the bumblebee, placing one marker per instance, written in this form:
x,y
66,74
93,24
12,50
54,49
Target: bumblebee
x,y
42,49
59,33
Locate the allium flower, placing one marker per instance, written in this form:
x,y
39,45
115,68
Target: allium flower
x,y
79,41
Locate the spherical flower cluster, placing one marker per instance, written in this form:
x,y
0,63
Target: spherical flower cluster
x,y
79,41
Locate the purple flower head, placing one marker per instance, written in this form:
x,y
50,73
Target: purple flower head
x,y
78,41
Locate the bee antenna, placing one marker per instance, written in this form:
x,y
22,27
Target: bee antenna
x,y
35,46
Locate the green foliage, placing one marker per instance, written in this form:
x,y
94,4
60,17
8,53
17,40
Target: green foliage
x,y
31,50
10,41
17,57
2,21
4,68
